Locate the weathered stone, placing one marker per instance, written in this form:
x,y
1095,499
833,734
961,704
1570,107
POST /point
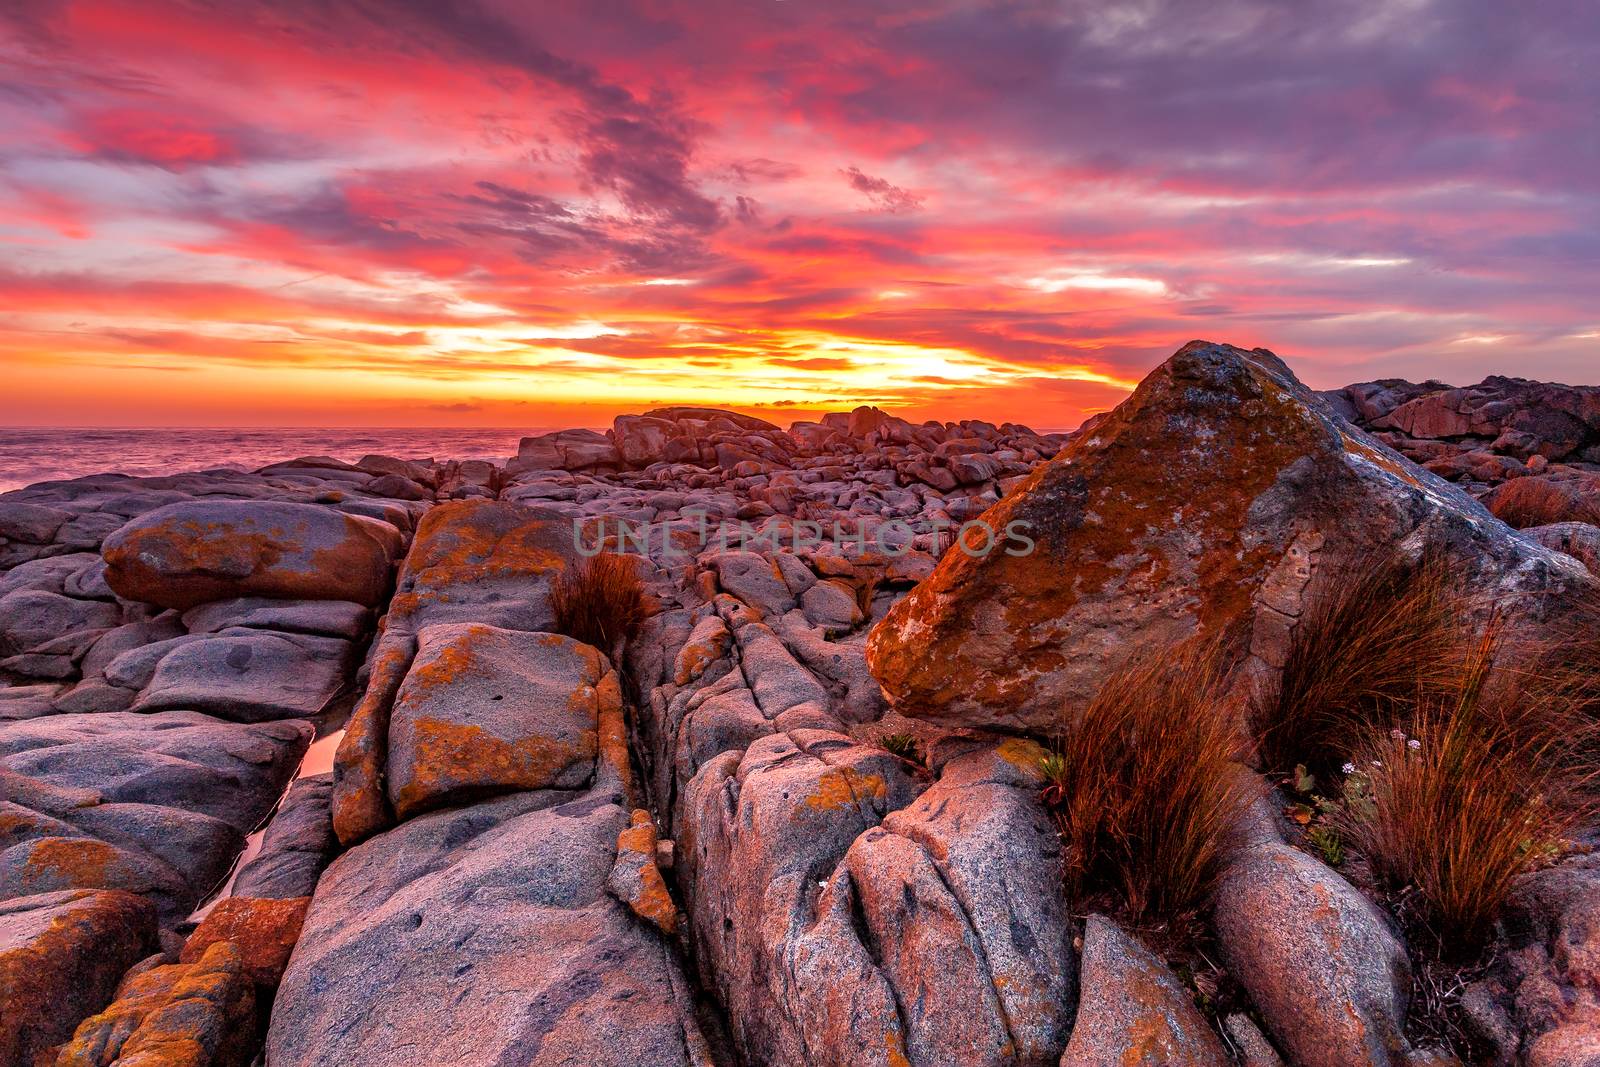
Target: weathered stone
x,y
960,892
1319,960
325,618
198,1013
298,843
493,941
636,880
34,524
30,618
1133,1012
485,710
1216,499
754,579
185,554
159,804
61,955
1579,540
263,931
250,675
776,923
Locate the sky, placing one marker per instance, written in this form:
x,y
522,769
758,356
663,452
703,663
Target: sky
x,y
501,213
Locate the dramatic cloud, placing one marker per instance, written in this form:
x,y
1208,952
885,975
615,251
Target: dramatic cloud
x,y
482,211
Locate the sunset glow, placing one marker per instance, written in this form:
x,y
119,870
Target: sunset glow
x,y
507,214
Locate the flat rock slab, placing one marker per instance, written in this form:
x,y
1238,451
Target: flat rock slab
x,y
249,675
156,804
485,710
188,553
481,937
61,956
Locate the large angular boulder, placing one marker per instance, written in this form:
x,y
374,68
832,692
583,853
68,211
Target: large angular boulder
x,y
485,710
185,554
61,955
1218,498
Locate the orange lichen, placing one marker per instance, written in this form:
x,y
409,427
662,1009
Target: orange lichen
x,y
452,759
1140,506
264,931
195,1014
895,1049
70,862
636,849
843,787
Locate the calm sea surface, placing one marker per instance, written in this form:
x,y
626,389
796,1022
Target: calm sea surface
x,y
38,455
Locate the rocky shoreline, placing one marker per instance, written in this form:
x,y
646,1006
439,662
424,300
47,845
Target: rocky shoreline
x,y
799,819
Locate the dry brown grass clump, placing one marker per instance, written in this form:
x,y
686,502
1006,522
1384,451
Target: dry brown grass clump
x,y
600,601
1484,782
1527,502
1391,632
1149,788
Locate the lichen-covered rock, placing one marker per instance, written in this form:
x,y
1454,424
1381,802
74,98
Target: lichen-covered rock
x,y
1132,1011
479,937
961,893
197,1013
1543,997
776,922
485,710
156,804
61,955
636,880
263,931
1217,498
185,554
1319,960
473,561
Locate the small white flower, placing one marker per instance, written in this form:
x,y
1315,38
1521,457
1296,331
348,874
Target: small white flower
x,y
1398,734
1349,768
822,885
1377,763
1413,744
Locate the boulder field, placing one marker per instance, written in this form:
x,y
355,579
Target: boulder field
x,y
297,768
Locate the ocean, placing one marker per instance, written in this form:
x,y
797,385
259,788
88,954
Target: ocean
x,y
38,455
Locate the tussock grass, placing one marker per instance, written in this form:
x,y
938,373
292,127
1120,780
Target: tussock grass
x,y
1364,654
600,601
1148,787
1526,502
1487,780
